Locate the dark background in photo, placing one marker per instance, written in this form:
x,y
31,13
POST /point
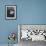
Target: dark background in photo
x,y
10,12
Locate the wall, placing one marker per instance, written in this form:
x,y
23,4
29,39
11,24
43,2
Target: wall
x,y
28,12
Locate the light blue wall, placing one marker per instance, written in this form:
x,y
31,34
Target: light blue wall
x,y
28,12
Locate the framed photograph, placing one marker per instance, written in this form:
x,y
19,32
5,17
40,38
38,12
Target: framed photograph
x,y
10,12
33,32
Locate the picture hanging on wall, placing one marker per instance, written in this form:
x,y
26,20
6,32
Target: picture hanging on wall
x,y
10,12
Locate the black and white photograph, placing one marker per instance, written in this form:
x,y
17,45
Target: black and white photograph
x,y
11,12
29,34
